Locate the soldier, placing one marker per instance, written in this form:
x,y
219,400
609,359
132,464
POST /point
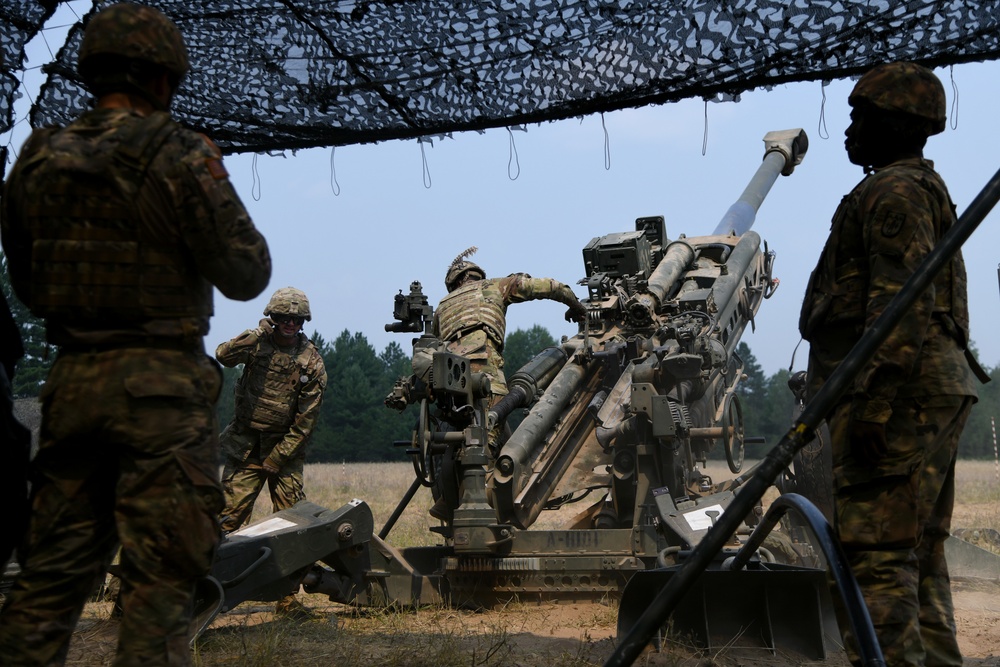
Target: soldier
x,y
472,320
115,229
895,432
278,397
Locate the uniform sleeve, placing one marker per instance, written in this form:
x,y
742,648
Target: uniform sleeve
x,y
309,401
900,232
239,350
520,287
227,248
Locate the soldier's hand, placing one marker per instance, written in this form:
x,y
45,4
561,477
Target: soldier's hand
x,y
270,467
868,441
266,326
577,313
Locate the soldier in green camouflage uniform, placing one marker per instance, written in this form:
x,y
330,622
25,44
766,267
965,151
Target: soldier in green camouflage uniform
x,y
115,229
278,398
895,432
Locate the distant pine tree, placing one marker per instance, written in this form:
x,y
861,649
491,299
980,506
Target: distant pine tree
x,y
38,355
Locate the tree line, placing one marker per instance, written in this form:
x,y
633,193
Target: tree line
x,y
768,407
355,425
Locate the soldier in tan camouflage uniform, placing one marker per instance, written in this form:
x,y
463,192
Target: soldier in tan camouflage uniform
x,y
115,229
895,432
472,320
278,398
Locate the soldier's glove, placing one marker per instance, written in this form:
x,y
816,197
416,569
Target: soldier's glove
x,y
266,326
868,441
577,313
270,467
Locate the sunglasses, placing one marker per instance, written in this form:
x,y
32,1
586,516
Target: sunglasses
x,y
288,319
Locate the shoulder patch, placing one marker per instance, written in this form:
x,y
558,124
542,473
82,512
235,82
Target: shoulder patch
x,y
891,223
215,168
213,163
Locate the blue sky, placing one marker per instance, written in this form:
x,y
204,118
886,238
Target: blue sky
x,y
351,252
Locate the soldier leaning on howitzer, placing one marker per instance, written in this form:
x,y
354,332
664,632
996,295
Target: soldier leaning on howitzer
x,y
472,318
115,229
472,322
895,434
278,398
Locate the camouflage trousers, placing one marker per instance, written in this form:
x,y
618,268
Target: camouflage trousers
x,y
892,517
128,454
243,480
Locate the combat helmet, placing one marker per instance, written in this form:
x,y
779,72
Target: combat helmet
x,y
904,87
460,266
132,33
288,301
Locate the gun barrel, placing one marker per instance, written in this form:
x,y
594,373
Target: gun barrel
x,y
730,293
783,151
531,432
676,259
528,381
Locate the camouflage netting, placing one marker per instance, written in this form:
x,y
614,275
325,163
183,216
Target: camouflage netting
x,y
278,74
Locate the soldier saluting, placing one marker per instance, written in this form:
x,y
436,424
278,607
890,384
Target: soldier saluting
x,y
278,399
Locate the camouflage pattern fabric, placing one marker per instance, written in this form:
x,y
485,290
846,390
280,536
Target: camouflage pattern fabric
x,y
137,33
893,510
243,481
280,391
880,233
472,318
127,453
189,205
278,399
904,87
129,440
893,517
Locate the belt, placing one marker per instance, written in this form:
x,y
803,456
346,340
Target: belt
x,y
195,345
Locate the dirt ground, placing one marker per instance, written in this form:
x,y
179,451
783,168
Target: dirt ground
x,y
518,635
525,635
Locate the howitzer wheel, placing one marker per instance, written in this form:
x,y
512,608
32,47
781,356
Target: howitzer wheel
x,y
420,452
733,435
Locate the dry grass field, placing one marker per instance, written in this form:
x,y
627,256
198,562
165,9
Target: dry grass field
x,y
520,634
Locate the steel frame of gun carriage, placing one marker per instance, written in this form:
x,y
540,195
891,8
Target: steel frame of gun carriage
x,y
619,418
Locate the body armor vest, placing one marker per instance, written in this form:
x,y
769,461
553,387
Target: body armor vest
x,y
267,393
476,305
93,258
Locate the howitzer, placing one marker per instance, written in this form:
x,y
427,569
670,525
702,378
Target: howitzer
x,y
624,412
620,419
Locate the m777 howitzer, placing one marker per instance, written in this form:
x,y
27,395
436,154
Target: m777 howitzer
x,y
619,418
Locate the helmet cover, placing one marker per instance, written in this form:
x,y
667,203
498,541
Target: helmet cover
x,y
460,266
903,87
135,32
289,301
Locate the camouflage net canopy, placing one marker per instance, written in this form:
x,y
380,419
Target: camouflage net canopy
x,y
280,74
